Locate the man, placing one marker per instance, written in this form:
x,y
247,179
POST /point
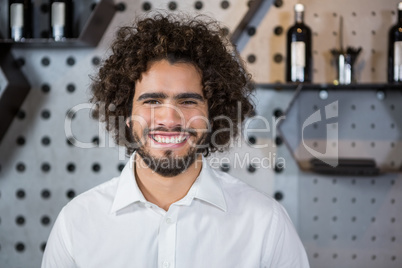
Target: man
x,y
171,93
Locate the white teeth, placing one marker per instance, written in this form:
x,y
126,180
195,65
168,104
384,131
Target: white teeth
x,y
160,139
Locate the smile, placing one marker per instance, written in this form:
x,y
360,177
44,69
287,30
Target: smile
x,y
169,139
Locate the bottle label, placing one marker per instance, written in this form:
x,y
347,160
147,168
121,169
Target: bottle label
x,y
58,20
16,15
58,14
298,60
398,61
17,21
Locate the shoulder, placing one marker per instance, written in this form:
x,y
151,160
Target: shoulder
x,y
234,186
240,195
282,246
95,199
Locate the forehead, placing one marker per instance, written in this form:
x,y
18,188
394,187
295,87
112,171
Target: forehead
x,y
170,79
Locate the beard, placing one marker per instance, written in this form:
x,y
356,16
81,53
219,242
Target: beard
x,y
169,165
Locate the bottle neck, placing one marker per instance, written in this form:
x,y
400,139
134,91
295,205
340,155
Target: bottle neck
x,y
400,16
299,17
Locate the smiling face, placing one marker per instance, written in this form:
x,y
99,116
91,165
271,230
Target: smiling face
x,y
169,117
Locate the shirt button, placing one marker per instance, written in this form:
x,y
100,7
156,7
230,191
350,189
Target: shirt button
x,y
169,221
166,264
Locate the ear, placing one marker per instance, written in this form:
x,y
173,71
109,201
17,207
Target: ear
x,y
128,122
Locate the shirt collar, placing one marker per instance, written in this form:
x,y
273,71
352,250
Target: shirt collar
x,y
127,191
209,188
206,188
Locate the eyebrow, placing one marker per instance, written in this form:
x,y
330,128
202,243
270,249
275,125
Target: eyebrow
x,y
195,96
152,96
180,96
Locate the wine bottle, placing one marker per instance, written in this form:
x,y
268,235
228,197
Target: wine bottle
x,y
61,19
395,50
20,19
299,52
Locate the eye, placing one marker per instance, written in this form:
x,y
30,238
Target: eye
x,y
188,102
151,102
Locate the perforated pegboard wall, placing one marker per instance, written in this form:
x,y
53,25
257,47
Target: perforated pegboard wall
x,y
41,171
351,221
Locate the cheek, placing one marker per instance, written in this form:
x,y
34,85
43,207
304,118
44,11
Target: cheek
x,y
197,120
140,120
144,116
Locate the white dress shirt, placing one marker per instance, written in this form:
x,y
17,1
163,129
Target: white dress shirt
x,y
221,222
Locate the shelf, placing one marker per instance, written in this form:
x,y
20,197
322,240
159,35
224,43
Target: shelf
x,y
343,131
294,86
90,35
45,43
14,87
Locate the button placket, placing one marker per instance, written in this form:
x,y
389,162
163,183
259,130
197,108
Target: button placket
x,y
167,239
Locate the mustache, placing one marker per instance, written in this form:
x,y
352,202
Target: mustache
x,y
190,131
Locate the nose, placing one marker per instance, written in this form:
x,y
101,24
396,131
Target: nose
x,y
168,116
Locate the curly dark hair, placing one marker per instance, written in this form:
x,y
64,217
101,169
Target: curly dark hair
x,y
198,40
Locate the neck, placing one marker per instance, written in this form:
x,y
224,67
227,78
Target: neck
x,y
400,16
164,191
299,17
